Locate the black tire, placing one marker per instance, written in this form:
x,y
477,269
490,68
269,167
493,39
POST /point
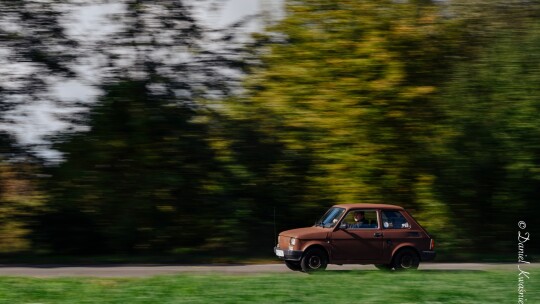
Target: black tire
x,y
293,265
314,260
406,259
385,267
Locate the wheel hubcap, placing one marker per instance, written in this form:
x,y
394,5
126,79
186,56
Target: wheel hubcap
x,y
406,261
314,262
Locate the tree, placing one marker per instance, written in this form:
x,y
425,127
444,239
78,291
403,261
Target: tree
x,y
489,158
35,53
353,82
143,177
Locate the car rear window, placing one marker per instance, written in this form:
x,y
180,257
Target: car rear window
x,y
394,220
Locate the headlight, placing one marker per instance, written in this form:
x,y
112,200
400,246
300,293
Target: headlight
x,y
292,241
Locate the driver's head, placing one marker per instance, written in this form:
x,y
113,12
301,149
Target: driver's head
x,y
358,216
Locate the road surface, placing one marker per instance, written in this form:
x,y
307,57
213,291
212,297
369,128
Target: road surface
x,y
152,270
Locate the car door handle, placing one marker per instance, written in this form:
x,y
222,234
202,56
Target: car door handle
x,y
377,234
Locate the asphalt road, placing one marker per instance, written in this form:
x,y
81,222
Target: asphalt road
x,y
152,270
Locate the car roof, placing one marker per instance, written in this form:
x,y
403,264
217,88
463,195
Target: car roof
x,y
369,206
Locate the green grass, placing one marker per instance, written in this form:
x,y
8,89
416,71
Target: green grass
x,y
331,287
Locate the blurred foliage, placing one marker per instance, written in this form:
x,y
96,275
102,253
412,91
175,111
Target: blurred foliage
x,y
19,200
137,181
490,163
431,105
144,178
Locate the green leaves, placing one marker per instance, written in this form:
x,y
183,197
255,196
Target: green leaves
x,y
342,79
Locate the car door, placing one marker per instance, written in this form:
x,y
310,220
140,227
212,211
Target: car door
x,y
358,242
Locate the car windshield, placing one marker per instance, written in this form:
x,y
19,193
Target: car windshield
x,y
331,217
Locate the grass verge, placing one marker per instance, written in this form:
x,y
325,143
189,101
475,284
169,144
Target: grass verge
x,y
427,286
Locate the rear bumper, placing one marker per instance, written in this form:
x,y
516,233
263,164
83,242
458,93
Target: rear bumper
x,y
290,255
427,256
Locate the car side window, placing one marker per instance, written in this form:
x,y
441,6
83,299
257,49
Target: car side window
x,y
361,219
394,220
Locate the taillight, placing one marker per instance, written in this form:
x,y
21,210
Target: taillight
x,y
432,244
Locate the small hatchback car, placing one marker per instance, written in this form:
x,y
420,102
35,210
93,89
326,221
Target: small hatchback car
x,y
384,235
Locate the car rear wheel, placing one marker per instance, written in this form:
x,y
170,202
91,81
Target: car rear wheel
x,y
406,259
314,260
293,265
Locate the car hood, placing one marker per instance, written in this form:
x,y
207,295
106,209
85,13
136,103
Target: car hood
x,y
306,233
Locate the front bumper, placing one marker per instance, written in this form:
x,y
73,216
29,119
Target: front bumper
x,y
427,256
291,255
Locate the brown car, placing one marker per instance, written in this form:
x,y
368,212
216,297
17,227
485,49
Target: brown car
x,y
384,235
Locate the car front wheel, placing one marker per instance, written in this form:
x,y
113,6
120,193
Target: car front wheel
x,y
314,260
406,259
